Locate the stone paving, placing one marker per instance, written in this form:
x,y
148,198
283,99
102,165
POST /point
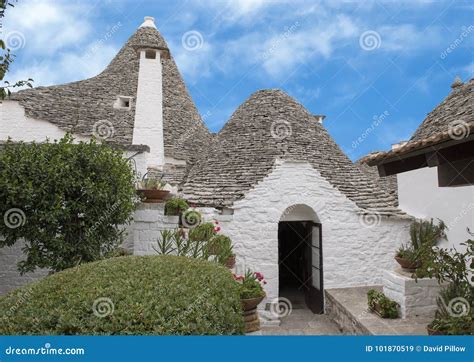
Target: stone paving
x,y
303,322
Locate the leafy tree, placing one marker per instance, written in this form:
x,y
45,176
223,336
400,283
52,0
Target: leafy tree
x,y
6,59
67,201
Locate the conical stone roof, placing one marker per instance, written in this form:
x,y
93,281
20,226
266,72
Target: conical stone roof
x,y
267,126
76,107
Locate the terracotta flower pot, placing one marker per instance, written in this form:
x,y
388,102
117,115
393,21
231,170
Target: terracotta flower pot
x,y
230,263
407,264
251,303
435,332
153,196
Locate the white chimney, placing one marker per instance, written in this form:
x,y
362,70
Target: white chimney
x,y
149,22
398,145
148,127
319,118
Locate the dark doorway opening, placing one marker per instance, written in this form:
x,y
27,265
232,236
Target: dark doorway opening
x,y
300,264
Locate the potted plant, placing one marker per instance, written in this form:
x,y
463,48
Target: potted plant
x,y
176,206
251,295
423,236
438,327
251,289
226,255
380,304
454,313
151,190
407,258
202,232
217,243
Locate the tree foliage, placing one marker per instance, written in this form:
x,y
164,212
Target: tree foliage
x,y
67,201
6,59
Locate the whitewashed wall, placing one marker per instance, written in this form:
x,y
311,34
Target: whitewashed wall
x,y
354,254
420,196
16,125
148,221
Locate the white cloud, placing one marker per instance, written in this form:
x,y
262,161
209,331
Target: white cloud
x,y
48,26
407,37
58,42
66,67
469,70
305,43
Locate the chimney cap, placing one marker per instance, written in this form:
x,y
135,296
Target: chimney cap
x,y
457,82
398,145
319,117
149,22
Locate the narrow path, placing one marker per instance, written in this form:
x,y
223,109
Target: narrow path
x,y
303,322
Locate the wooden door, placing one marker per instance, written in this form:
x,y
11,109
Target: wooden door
x,y
314,293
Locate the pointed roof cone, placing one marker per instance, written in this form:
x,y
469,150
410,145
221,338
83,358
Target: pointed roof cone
x,y
456,107
77,107
268,126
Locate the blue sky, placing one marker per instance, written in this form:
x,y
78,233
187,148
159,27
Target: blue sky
x,y
374,68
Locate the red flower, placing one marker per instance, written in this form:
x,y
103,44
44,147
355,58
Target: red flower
x,y
217,229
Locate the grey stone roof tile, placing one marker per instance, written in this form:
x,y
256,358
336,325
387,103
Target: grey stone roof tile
x,y
268,126
76,107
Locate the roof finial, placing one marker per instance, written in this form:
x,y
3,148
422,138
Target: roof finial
x,y
457,82
149,22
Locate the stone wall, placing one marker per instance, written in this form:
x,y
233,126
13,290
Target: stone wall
x,y
416,298
10,278
149,220
142,235
16,125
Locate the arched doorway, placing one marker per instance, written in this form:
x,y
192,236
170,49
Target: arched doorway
x,y
300,258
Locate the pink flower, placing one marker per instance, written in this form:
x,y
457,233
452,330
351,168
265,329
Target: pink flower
x,y
217,229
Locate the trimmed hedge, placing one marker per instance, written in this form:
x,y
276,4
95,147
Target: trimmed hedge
x,y
139,295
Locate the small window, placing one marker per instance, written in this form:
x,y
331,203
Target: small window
x,y
150,54
123,102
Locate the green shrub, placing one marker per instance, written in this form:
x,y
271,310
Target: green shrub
x,y
202,232
218,243
139,295
382,305
424,235
453,326
67,201
176,206
456,300
118,252
175,242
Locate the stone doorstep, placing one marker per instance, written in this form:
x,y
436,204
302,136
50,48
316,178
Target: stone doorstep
x,y
267,319
348,308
